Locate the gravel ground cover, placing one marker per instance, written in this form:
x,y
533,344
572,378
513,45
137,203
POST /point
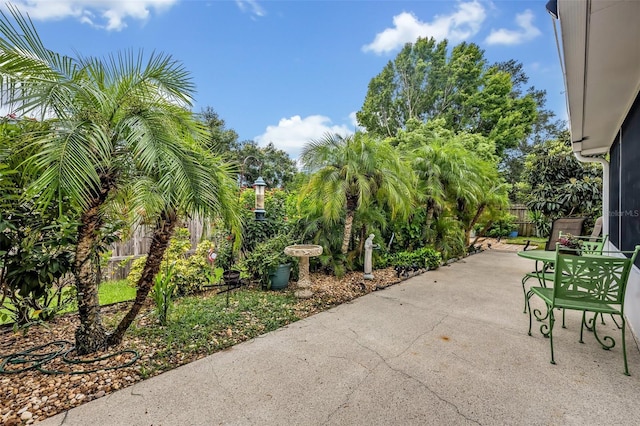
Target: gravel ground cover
x,y
31,395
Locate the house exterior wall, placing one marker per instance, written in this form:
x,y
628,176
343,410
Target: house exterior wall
x,y
624,203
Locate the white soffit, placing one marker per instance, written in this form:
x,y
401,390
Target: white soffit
x,y
601,49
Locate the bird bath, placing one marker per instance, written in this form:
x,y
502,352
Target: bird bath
x,y
304,252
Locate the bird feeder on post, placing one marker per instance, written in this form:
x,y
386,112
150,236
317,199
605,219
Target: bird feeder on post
x,y
259,186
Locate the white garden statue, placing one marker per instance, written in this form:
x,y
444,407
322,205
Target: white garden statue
x,y
368,253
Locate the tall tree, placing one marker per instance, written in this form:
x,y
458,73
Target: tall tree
x,y
115,120
350,173
424,83
222,140
273,164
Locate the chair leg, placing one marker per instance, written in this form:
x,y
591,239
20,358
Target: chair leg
x,y
524,291
563,325
551,321
582,324
624,347
528,305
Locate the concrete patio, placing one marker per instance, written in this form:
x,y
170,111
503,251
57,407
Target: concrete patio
x,y
447,347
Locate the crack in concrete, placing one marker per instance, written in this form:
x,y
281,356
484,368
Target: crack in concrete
x,y
64,419
351,360
399,371
433,392
347,398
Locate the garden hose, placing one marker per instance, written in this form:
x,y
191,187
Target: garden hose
x,y
35,358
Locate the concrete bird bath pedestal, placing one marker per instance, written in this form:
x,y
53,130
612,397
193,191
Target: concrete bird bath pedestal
x,y
304,252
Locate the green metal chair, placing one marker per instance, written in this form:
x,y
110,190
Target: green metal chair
x,y
589,244
589,283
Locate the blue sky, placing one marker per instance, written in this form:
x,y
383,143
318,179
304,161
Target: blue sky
x,y
289,71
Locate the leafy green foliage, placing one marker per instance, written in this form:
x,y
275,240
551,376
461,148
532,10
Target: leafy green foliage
x,y
36,243
502,227
458,184
272,164
558,185
423,82
124,132
189,274
266,256
162,293
424,257
277,217
354,175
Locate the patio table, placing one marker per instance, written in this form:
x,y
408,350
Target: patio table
x,y
545,256
544,260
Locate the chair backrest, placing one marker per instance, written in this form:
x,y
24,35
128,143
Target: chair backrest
x,y
597,228
592,279
566,225
593,245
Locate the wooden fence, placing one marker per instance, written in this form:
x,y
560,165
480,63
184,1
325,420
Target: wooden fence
x,y
123,253
526,228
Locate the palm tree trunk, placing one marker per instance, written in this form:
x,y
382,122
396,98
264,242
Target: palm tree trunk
x,y
160,241
467,231
90,335
348,225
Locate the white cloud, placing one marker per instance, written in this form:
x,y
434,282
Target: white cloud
x,y
291,134
106,14
354,119
527,31
458,26
251,6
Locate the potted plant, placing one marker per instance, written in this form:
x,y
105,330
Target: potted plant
x,y
569,244
268,264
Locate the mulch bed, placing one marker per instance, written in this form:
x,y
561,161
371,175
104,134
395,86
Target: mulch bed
x,y
30,396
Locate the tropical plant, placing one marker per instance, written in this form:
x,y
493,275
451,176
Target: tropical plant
x,y
190,272
162,294
266,257
558,185
457,173
36,244
424,257
120,125
351,174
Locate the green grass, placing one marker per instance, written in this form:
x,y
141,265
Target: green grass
x,y
200,326
540,242
108,292
115,291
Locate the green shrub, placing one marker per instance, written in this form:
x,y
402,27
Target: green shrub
x,y
190,274
266,256
425,257
276,222
503,226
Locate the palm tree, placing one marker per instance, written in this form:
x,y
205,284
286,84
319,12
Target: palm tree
x,y
199,185
351,173
452,176
114,121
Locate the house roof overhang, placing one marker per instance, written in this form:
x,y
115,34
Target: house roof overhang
x,y
601,55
